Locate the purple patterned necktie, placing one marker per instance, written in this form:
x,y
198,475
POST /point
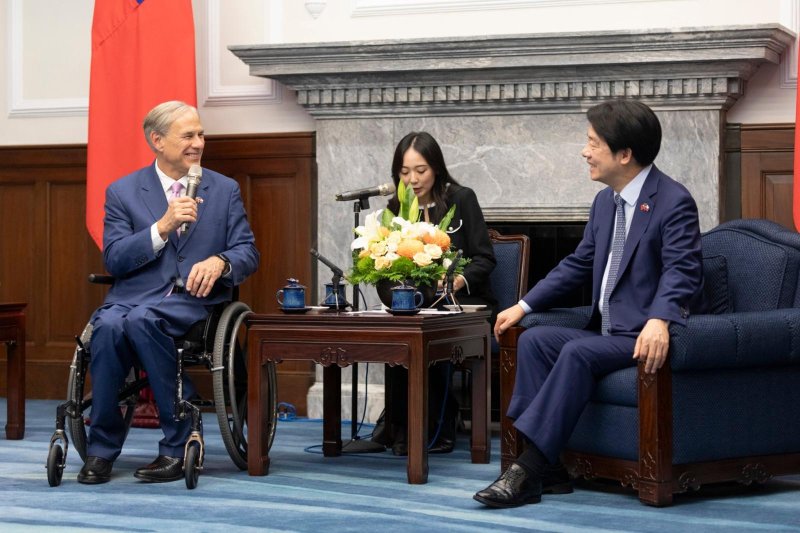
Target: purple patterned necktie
x,y
617,245
177,189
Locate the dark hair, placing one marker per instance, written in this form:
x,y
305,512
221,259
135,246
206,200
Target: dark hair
x,y
627,124
424,143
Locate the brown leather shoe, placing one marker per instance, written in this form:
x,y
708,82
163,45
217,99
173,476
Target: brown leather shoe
x,y
95,470
163,469
513,488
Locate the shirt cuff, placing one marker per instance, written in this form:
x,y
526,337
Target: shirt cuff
x,y
524,306
155,238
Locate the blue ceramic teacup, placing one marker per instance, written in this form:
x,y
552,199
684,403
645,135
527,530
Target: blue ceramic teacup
x,y
406,298
293,295
336,298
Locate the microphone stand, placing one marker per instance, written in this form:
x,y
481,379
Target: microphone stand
x,y
447,290
356,445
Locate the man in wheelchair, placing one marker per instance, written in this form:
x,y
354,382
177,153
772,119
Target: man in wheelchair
x,y
173,257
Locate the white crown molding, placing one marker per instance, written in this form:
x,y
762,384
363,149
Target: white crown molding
x,y
371,8
18,105
791,17
216,93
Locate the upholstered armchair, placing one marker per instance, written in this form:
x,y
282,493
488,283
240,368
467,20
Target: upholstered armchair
x,y
725,407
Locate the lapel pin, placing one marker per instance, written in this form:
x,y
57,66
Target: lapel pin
x,y
644,208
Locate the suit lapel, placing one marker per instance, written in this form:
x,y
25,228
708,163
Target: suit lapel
x,y
641,218
152,194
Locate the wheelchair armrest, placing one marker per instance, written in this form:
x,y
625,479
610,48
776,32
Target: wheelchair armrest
x,y
568,317
102,279
736,340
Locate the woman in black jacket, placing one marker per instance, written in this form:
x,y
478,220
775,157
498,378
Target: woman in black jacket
x,y
419,163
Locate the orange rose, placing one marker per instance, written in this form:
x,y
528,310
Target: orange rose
x,y
409,247
439,237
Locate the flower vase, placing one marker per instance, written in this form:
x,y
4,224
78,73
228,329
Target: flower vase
x,y
384,289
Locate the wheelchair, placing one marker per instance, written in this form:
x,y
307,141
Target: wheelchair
x,y
220,344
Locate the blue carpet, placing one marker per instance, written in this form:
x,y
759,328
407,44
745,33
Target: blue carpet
x,y
308,492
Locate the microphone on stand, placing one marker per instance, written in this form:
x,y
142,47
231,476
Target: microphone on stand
x,y
383,189
335,283
325,261
195,177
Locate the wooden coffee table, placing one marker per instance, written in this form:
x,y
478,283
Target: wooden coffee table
x,y
336,340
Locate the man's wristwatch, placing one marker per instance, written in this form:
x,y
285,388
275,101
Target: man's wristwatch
x,y
227,268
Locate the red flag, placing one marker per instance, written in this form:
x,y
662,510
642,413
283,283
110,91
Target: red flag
x,y
142,55
796,195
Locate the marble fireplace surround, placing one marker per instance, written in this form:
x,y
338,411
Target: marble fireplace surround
x,y
509,112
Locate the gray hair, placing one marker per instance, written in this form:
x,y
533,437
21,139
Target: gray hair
x,y
161,117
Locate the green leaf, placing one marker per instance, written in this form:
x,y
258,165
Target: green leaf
x,y
413,214
401,192
386,218
445,223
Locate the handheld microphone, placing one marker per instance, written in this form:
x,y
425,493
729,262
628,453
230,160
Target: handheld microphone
x,y
195,177
335,269
383,189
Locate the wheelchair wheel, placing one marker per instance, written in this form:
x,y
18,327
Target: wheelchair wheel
x,y
55,465
78,370
191,465
230,384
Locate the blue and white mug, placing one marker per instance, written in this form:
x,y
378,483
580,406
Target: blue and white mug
x,y
406,298
335,298
292,295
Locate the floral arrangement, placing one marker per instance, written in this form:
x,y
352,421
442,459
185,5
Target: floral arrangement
x,y
401,248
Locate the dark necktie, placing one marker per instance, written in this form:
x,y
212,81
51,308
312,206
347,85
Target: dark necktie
x,y
617,246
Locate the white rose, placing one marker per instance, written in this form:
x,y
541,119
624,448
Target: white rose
x,y
433,250
422,259
382,263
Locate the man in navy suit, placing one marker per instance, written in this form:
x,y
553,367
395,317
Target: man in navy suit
x,y
641,253
165,281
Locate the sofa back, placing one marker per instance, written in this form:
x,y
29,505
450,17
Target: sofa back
x,y
750,265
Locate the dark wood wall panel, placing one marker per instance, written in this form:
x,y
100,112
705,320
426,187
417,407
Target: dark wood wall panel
x,y
767,160
46,252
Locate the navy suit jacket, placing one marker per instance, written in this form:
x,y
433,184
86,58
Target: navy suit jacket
x,y
136,201
660,274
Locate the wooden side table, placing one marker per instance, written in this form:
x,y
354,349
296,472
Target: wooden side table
x,y
335,340
12,333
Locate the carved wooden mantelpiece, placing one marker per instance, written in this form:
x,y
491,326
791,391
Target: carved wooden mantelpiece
x,y
543,73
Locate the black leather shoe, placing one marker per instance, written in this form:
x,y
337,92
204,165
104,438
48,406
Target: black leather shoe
x,y
163,469
400,447
513,488
556,480
95,470
442,445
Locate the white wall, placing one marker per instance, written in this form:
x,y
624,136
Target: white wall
x,y
46,52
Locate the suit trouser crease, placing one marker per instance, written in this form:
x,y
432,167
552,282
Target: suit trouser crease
x,y
557,372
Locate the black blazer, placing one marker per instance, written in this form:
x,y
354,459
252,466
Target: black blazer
x,y
468,232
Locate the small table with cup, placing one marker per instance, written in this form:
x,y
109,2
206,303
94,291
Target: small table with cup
x,y
336,339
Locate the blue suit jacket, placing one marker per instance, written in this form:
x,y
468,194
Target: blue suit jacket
x,y
136,201
660,274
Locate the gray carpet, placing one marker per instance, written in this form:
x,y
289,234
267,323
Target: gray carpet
x,y
305,491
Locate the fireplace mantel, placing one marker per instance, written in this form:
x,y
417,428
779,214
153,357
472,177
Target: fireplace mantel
x,y
544,73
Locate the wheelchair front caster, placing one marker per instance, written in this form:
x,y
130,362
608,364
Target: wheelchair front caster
x,y
191,465
55,465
